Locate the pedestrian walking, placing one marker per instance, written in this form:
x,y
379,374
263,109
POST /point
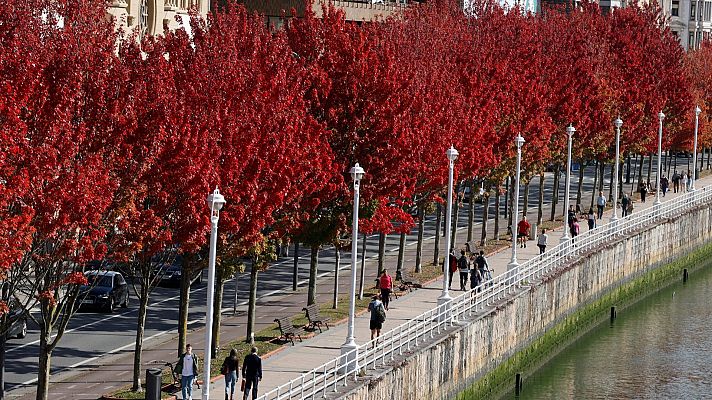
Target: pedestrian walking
x,y
463,265
385,282
690,178
675,182
251,373
600,204
643,189
476,277
378,317
570,216
542,241
683,182
453,266
664,185
229,369
523,231
625,202
575,229
187,368
483,266
591,219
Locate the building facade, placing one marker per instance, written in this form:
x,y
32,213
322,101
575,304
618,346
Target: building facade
x,y
151,16
690,20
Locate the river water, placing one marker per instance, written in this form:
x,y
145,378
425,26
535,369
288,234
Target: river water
x,y
660,348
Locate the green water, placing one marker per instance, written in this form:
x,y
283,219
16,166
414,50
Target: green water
x,y
660,348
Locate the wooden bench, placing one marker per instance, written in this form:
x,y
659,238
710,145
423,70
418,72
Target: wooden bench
x,y
315,319
287,329
408,282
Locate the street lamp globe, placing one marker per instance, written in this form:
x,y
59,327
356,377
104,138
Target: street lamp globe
x,y
661,116
570,130
519,140
618,122
357,173
698,110
215,200
452,153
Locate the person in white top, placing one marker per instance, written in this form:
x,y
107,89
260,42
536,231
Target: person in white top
x,y
187,367
541,242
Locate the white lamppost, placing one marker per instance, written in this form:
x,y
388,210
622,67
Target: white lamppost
x,y
694,153
216,201
350,361
661,117
519,141
570,130
617,123
445,299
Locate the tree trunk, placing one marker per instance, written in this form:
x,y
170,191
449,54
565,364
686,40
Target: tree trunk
x,y
401,257
650,165
510,209
485,217
419,248
525,208
555,192
595,184
610,186
455,219
183,312
506,199
313,270
3,341
217,308
675,159
709,156
295,267
496,212
640,172
669,162
582,169
363,267
471,211
44,366
602,173
540,206
140,327
436,247
337,259
381,252
252,302
627,169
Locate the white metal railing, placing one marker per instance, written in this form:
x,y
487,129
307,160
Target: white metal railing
x,y
335,374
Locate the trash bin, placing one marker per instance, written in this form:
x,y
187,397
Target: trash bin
x,y
153,384
533,232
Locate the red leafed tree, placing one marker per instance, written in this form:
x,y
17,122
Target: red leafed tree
x,y
699,67
59,91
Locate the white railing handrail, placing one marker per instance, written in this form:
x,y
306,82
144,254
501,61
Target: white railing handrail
x,y
329,376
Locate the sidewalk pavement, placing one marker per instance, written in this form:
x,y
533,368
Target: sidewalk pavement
x,y
109,373
293,361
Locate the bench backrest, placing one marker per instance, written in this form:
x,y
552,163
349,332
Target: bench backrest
x,y
312,311
285,323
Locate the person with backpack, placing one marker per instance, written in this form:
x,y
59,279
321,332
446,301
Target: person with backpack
x,y
187,369
675,182
476,277
378,316
385,282
483,266
463,265
251,373
229,370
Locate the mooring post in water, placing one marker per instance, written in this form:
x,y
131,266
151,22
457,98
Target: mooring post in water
x,y
685,275
613,313
518,383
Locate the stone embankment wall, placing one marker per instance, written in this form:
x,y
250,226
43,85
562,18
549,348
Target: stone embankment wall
x,y
476,355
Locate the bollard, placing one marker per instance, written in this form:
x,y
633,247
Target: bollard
x,y
518,384
613,313
685,275
153,384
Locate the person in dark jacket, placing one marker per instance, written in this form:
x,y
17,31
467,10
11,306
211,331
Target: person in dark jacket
x,y
252,373
229,369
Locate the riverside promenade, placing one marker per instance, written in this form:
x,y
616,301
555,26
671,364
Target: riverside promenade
x,y
291,362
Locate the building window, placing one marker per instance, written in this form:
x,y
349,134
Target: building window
x,y
675,10
143,18
691,41
708,11
693,8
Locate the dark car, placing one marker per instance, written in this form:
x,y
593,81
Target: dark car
x,y
169,274
18,322
105,290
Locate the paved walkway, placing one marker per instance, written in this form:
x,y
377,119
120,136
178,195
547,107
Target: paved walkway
x,y
293,361
109,373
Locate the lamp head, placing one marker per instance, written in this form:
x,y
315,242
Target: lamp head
x,y
452,153
216,201
697,110
661,116
618,122
519,140
357,173
570,130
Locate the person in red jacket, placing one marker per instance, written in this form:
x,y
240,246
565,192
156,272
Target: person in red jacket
x,y
523,231
386,284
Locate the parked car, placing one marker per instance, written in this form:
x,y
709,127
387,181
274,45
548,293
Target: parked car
x,y
18,322
169,274
104,290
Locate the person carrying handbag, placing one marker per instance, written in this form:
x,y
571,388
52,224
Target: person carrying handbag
x,y
229,370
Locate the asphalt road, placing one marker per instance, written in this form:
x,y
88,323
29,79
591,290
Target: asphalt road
x,y
93,335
